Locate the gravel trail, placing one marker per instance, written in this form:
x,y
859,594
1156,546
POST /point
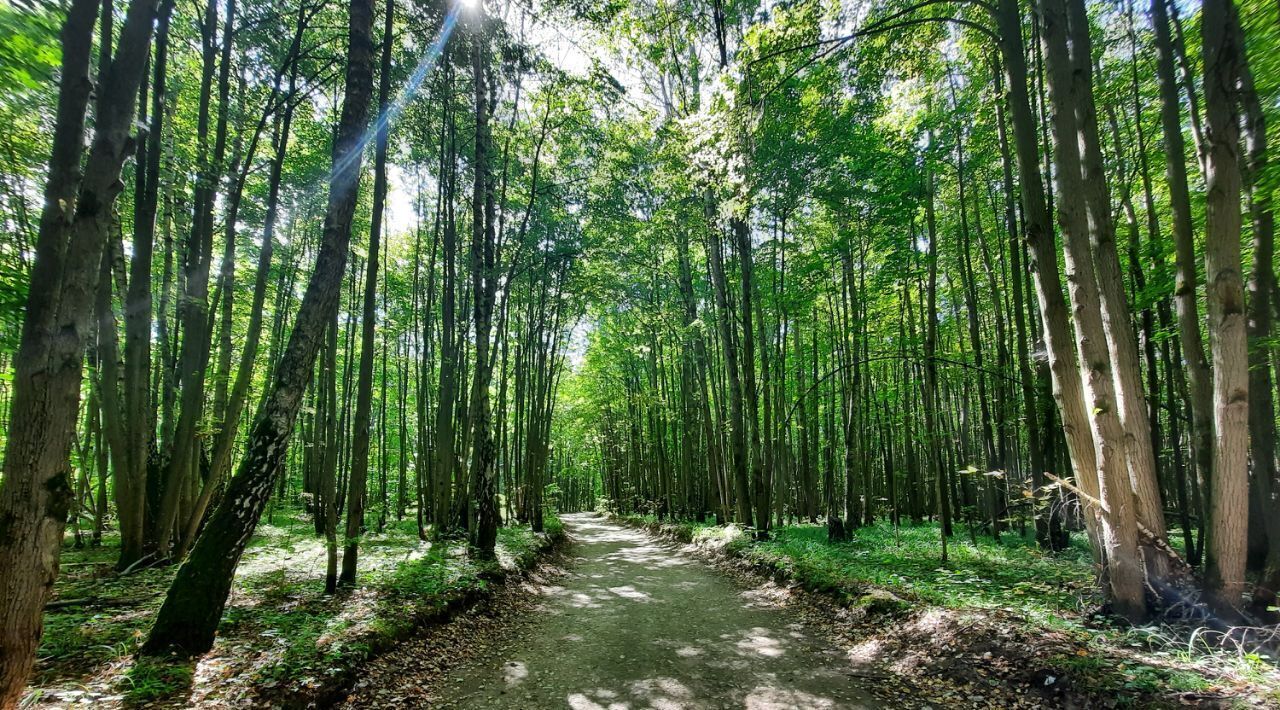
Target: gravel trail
x,y
637,623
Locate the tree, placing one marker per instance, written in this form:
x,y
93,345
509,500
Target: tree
x,y
364,388
36,493
1229,489
189,616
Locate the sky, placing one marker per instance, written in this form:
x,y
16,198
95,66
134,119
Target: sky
x,y
565,43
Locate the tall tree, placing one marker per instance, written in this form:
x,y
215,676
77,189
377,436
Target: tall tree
x,y
1229,488
189,616
356,493
36,493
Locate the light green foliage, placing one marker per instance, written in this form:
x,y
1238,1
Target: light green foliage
x,y
1011,575
280,628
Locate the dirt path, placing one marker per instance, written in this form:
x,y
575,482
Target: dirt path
x,y
638,624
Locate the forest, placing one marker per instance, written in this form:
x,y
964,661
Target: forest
x,y
639,353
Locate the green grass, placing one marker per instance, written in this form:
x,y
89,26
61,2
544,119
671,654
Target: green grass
x,y
279,627
152,679
1011,574
1118,677
1010,581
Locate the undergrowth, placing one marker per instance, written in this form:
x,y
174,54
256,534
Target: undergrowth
x,y
281,634
892,573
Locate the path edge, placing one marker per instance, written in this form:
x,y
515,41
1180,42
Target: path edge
x,y
431,612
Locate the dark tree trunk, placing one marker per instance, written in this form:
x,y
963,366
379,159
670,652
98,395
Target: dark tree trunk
x,y
189,616
36,493
356,493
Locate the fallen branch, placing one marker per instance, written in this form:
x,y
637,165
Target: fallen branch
x,y
1149,538
144,562
64,603
100,602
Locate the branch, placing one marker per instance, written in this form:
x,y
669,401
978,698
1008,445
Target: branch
x,y
1148,538
876,28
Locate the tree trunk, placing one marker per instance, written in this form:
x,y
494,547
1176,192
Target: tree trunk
x,y
447,402
368,325
189,616
327,493
1068,386
1124,564
933,441
484,494
36,492
1199,378
1229,487
1265,478
1117,318
728,342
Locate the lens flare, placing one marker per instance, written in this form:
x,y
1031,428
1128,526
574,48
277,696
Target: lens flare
x,y
407,93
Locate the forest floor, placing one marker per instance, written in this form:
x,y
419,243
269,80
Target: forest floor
x,y
639,614
633,623
282,640
1000,625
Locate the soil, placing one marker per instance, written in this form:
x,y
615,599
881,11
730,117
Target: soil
x,y
635,622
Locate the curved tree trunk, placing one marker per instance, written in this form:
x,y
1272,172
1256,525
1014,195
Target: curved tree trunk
x,y
189,616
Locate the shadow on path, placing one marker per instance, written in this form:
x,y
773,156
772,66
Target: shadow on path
x,y
638,624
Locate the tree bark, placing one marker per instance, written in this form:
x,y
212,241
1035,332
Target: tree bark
x,y
368,321
1264,476
1117,317
189,616
36,492
1199,377
1229,487
1120,533
1068,386
484,493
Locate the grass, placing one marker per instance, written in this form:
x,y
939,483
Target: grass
x,y
1011,574
1009,582
280,633
152,679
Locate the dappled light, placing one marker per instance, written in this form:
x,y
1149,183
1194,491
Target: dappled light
x,y
639,354
639,624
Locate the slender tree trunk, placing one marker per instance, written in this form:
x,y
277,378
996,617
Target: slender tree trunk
x,y
446,403
1049,530
220,462
1199,377
131,483
484,286
1117,318
933,434
1124,564
738,423
185,455
356,493
327,513
189,616
1068,386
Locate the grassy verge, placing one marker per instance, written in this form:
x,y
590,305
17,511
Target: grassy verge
x,y
281,639
998,617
